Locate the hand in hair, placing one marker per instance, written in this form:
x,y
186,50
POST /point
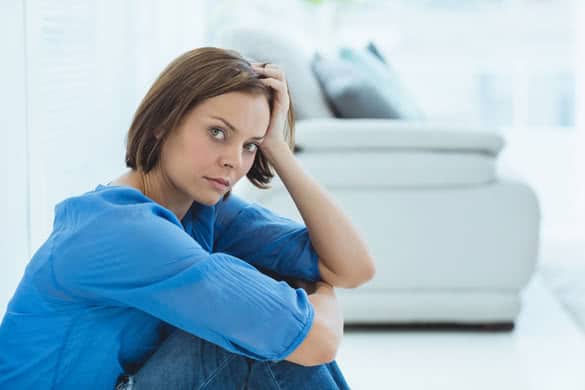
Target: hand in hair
x,y
274,78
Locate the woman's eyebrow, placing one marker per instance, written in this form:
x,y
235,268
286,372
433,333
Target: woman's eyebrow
x,y
232,128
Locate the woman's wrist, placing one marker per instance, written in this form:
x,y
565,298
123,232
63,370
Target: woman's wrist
x,y
275,152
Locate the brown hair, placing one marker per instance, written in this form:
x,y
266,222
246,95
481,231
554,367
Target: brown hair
x,y
187,81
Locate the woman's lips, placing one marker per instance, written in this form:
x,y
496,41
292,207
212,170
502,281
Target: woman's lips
x,y
217,183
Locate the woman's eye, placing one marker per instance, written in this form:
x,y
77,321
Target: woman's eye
x,y
217,133
252,148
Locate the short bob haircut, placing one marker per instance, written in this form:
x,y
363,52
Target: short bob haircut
x,y
187,81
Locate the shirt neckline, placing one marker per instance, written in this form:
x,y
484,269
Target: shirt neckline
x,y
129,188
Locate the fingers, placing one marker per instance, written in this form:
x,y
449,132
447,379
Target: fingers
x,y
270,70
276,84
274,78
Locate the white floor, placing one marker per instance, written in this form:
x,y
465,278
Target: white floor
x,y
545,351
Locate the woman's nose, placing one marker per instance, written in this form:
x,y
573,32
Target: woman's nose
x,y
232,159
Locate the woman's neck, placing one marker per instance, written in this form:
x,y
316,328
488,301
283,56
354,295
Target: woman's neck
x,y
153,187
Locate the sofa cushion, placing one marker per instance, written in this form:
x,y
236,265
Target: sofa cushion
x,y
397,153
385,78
349,91
381,134
261,45
399,169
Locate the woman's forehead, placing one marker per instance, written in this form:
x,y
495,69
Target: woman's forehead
x,y
235,102
246,109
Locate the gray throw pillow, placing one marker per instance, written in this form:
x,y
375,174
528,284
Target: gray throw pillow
x,y
385,78
349,92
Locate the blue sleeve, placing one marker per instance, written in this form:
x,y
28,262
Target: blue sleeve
x,y
266,240
153,265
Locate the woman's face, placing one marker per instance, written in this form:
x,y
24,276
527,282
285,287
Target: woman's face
x,y
218,139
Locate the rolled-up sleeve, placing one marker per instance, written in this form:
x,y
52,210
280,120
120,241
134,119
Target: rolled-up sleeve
x,y
261,237
154,266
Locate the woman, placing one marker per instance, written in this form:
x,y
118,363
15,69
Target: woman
x,y
163,279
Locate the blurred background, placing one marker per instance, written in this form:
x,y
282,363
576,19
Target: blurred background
x,y
73,72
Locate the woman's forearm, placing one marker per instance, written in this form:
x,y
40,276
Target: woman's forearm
x,y
328,312
322,342
343,254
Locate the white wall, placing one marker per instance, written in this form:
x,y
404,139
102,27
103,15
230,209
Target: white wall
x,y
547,159
90,63
72,74
580,118
13,156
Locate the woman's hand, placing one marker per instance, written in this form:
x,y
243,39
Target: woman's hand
x,y
275,79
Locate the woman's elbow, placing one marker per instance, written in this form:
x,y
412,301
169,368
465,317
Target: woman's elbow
x,y
366,274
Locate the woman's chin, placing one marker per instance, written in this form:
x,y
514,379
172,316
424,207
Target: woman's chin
x,y
209,199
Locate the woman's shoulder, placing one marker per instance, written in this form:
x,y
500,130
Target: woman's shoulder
x,y
105,204
117,220
117,236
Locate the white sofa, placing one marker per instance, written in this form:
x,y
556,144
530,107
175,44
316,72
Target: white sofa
x,y
453,242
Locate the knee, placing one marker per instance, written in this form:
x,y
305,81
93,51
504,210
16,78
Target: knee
x,y
189,344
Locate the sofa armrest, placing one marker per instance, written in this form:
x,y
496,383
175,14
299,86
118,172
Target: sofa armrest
x,y
376,134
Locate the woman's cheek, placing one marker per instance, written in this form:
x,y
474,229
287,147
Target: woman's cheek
x,y
248,165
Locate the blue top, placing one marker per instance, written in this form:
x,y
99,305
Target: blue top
x,y
119,271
